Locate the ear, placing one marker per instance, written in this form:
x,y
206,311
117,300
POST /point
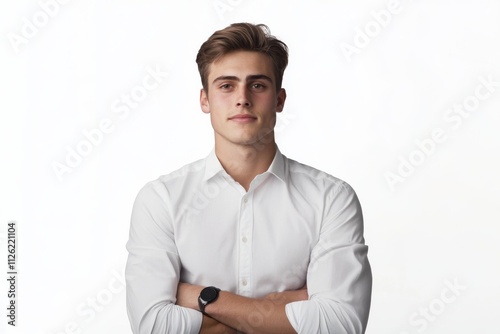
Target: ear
x,y
205,106
280,100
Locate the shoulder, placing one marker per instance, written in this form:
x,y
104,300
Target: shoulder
x,y
176,180
302,174
192,170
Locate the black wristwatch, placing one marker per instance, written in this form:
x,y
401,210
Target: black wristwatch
x,y
208,295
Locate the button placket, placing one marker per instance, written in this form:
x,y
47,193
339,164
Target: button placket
x,y
245,249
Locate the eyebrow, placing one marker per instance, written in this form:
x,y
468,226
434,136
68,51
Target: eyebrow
x,y
248,78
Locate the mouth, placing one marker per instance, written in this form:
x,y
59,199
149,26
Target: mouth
x,y
243,118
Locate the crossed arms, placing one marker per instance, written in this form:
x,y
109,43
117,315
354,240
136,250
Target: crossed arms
x,y
337,298
248,315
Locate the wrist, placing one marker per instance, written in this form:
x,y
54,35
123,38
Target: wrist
x,y
206,297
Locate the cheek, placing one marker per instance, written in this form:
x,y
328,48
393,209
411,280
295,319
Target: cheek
x,y
219,101
265,99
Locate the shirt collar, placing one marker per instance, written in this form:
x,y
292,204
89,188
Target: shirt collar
x,y
278,165
214,167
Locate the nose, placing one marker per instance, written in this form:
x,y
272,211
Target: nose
x,y
243,98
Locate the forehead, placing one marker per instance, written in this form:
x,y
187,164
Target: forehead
x,y
241,64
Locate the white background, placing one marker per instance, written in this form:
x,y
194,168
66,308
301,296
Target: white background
x,y
354,116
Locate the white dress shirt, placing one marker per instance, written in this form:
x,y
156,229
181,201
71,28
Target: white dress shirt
x,y
295,224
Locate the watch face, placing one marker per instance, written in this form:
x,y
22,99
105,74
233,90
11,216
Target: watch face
x,y
209,294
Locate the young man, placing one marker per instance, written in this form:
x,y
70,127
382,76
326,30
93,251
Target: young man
x,y
246,239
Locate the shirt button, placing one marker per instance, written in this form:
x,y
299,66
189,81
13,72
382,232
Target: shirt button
x,y
245,200
244,239
244,282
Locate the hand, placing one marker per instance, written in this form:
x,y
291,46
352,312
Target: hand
x,y
289,296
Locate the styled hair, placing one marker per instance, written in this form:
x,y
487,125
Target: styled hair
x,y
242,36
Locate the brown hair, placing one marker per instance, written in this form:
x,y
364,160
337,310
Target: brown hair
x,y
242,36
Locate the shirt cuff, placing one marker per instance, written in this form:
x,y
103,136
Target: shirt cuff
x,y
292,311
197,318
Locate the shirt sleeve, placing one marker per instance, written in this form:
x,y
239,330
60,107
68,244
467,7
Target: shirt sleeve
x,y
153,268
339,279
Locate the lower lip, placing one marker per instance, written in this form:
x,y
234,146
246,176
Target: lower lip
x,y
243,119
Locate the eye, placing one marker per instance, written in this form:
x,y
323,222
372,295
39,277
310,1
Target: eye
x,y
258,86
225,86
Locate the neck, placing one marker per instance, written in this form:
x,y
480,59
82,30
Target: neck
x,y
244,162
